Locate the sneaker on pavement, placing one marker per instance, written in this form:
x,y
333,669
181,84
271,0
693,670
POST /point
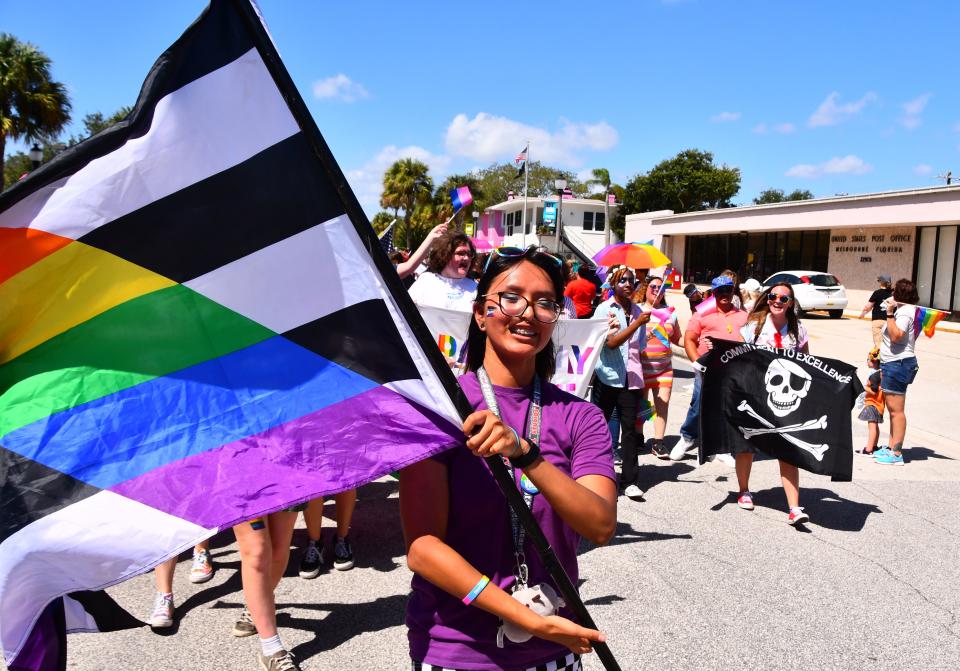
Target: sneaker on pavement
x,y
687,443
727,459
202,569
162,615
633,492
244,626
678,451
658,449
745,501
881,452
311,561
278,661
890,459
342,555
797,516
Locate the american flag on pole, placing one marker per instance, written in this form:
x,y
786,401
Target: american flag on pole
x,y
199,327
522,156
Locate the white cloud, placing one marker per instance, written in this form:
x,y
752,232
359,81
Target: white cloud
x,y
339,87
922,169
760,129
830,112
725,116
486,137
845,165
912,109
367,180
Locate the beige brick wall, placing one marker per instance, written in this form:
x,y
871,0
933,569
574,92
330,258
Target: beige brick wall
x,y
857,256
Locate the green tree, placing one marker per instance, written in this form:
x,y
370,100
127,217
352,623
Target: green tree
x,y
498,179
381,220
96,122
441,197
406,184
768,196
33,107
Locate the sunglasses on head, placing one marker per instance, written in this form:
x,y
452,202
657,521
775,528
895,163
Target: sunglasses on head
x,y
514,252
783,299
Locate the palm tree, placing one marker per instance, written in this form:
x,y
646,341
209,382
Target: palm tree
x,y
406,185
601,177
441,198
33,107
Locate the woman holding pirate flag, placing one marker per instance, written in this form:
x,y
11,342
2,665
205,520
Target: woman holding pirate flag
x,y
482,597
773,323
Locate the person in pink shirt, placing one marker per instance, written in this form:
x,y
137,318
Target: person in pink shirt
x,y
724,322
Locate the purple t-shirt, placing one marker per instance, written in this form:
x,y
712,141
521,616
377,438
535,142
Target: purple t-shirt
x,y
574,438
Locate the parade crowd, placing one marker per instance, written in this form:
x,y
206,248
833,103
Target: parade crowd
x,y
481,597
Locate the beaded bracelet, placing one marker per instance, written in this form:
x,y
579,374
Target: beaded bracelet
x,y
475,592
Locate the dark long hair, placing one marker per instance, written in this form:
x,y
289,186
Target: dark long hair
x,y
761,310
477,339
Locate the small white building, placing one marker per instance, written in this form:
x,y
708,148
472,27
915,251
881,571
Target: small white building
x,y
582,223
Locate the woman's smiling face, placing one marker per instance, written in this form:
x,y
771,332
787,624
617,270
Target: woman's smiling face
x,y
522,336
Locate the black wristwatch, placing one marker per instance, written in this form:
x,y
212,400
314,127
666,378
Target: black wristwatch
x,y
527,459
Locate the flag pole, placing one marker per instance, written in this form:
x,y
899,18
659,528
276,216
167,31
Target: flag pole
x,y
410,313
526,178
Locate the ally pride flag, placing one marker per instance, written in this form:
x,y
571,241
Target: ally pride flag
x,y
199,327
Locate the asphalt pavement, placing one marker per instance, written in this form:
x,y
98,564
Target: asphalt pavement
x,y
690,581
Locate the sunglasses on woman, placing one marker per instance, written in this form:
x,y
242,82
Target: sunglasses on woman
x,y
783,300
514,252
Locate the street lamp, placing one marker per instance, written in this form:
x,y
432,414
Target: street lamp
x,y
36,155
476,221
560,184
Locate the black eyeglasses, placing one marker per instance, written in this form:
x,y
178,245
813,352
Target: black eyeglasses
x,y
513,252
545,310
773,298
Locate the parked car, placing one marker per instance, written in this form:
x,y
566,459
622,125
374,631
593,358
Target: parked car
x,y
814,290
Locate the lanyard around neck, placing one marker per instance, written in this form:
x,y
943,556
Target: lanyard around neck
x,y
526,487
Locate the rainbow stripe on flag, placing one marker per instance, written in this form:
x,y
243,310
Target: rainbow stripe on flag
x,y
926,320
199,328
461,197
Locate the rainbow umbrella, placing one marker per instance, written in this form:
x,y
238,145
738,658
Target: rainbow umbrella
x,y
632,255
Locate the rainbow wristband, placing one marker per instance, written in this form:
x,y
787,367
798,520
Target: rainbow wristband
x,y
475,592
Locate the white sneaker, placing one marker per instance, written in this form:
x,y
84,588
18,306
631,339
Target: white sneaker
x,y
162,615
680,449
725,458
633,492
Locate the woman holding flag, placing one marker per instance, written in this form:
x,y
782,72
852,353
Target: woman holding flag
x,y
482,597
656,359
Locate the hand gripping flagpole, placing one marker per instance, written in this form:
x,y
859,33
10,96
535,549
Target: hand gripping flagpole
x,y
390,278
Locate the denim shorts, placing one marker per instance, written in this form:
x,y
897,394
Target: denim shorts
x,y
897,375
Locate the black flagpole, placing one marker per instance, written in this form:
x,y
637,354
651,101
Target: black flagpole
x,y
409,311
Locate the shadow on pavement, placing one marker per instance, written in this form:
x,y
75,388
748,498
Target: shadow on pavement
x,y
825,507
625,533
343,622
652,475
922,454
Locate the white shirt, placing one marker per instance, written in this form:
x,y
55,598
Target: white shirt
x,y
895,351
437,291
768,335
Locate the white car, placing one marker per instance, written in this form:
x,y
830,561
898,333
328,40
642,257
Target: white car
x,y
814,290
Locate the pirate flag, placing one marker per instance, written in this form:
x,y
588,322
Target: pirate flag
x,y
787,404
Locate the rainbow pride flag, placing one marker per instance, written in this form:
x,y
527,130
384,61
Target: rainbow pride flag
x,y
926,320
461,197
199,328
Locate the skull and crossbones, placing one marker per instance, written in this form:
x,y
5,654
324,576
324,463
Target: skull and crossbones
x,y
787,385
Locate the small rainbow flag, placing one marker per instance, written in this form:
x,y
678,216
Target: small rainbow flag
x,y
926,320
448,345
707,307
645,412
661,335
461,197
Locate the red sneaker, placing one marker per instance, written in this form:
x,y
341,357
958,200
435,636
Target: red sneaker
x,y
745,501
797,516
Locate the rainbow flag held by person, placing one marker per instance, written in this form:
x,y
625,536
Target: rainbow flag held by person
x,y
926,320
199,328
461,197
707,307
661,334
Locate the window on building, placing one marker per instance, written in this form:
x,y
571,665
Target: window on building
x,y
599,221
508,226
588,221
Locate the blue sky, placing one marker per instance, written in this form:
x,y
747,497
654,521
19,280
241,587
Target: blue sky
x,y
834,97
